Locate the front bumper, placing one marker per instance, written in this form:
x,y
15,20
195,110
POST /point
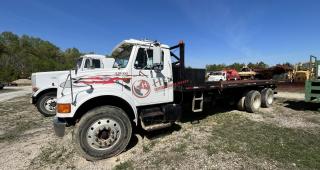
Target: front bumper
x,y
32,100
59,126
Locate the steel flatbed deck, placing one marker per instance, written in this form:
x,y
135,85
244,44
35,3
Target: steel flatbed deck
x,y
221,85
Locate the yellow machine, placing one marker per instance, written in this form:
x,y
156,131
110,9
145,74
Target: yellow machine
x,y
247,73
301,73
301,76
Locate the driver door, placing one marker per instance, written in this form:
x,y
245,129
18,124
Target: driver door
x,y
148,85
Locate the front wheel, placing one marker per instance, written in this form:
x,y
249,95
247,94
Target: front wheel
x,y
102,132
46,104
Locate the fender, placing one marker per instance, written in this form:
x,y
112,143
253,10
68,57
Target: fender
x,y
35,94
85,96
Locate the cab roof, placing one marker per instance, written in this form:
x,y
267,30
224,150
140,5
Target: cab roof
x,y
94,56
139,42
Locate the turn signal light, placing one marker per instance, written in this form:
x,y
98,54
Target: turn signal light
x,y
64,107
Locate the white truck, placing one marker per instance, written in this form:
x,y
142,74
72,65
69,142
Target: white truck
x,y
45,84
145,89
217,76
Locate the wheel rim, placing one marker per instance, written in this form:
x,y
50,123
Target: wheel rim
x,y
270,98
256,102
103,134
50,104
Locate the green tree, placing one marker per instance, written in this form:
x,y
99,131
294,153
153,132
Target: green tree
x,y
215,67
21,56
236,66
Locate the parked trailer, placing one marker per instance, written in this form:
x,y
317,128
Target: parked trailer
x,y
147,88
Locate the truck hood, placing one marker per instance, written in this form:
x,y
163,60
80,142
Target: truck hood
x,y
50,73
44,80
92,78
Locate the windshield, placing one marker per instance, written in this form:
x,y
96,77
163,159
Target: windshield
x,y
79,62
122,55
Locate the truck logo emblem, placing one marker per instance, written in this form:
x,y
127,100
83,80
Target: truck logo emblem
x,y
141,88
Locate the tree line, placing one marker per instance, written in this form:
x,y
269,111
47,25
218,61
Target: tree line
x,y
236,66
239,66
22,55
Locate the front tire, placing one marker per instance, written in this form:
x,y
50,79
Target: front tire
x,y
252,101
102,132
46,104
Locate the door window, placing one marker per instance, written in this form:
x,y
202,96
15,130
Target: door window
x,y
87,63
96,63
144,59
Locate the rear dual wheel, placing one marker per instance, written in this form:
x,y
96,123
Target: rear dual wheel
x,y
253,100
240,104
267,97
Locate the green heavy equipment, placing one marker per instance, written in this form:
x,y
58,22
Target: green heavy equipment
x,y
312,85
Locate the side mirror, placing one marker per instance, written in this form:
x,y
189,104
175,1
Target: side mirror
x,y
157,54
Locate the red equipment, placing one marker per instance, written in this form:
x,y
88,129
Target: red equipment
x,y
232,74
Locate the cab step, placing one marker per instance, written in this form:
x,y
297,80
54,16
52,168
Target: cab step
x,y
155,126
159,117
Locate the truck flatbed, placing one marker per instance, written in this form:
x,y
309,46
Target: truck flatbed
x,y
194,79
221,85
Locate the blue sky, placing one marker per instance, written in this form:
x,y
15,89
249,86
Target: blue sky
x,y
215,31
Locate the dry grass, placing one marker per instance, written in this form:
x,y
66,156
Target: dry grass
x,y
283,137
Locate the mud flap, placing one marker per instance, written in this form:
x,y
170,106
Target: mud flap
x,y
59,126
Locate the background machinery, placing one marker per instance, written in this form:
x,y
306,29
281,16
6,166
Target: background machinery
x,y
312,85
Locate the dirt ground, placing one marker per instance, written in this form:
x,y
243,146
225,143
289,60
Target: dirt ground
x,y
285,136
296,87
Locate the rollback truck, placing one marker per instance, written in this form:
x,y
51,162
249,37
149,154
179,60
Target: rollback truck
x,y
145,89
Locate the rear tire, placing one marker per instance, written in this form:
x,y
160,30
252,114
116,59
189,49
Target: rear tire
x,y
46,104
253,101
102,132
267,97
240,104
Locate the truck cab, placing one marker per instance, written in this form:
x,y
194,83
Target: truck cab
x,y
108,103
93,61
140,74
45,84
